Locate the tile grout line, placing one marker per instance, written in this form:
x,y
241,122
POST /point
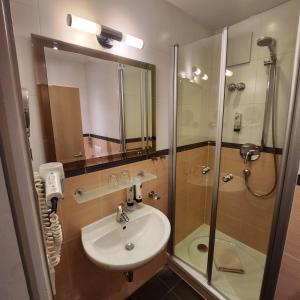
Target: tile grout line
x,y
170,291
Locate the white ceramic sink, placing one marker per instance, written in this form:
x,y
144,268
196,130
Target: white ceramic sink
x,y
104,241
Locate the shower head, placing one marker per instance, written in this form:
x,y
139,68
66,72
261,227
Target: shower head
x,y
266,41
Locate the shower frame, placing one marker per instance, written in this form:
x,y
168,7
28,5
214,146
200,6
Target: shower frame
x,y
286,180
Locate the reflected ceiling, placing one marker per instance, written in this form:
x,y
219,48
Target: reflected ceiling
x,y
215,14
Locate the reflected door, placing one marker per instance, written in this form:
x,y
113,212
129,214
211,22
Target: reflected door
x,y
66,121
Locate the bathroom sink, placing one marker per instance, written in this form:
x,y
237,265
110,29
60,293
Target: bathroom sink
x,y
126,246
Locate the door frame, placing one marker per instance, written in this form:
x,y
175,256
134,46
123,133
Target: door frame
x,y
15,156
286,183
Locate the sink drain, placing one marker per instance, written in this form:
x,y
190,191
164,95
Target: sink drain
x,y
129,246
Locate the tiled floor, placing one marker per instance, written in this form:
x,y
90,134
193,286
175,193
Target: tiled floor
x,y
165,285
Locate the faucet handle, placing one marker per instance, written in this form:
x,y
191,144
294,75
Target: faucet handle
x,y
153,195
205,169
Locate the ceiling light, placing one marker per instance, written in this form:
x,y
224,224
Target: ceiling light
x,y
105,35
204,77
228,73
196,71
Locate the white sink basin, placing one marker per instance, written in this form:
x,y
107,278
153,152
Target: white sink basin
x,y
104,241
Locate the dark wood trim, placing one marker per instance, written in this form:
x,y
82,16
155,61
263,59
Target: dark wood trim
x,y
50,43
102,137
298,179
192,146
102,163
225,145
114,140
81,167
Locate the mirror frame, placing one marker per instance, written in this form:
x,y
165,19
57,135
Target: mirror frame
x,y
39,43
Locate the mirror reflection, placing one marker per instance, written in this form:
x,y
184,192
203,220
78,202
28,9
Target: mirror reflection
x,y
98,107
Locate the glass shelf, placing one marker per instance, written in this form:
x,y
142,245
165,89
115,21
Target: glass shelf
x,y
82,196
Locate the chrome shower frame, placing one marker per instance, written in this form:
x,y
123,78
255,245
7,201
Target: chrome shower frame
x,y
286,181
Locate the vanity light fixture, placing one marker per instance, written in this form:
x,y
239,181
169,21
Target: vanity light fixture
x,y
205,77
105,35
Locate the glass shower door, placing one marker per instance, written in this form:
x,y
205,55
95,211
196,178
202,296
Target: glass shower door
x,y
254,121
198,77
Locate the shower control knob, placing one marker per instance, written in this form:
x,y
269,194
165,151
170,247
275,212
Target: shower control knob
x,y
240,86
205,169
153,195
247,172
227,177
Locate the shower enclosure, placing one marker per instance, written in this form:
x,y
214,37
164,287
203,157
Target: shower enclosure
x,y
232,95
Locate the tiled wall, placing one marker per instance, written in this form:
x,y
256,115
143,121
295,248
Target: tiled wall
x,y
280,23
288,286
190,191
107,147
240,214
76,276
197,107
197,98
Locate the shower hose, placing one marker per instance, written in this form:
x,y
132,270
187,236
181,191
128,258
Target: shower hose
x,y
247,176
51,227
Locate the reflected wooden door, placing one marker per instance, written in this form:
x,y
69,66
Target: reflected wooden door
x,y
66,121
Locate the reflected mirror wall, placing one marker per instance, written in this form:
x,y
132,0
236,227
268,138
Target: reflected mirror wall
x,y
95,107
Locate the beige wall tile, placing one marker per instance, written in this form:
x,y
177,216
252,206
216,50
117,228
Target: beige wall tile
x,y
253,214
72,284
292,245
190,191
288,286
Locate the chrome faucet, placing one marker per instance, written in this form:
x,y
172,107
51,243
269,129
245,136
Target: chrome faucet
x,y
121,214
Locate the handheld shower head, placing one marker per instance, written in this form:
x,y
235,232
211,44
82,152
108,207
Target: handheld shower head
x,y
266,41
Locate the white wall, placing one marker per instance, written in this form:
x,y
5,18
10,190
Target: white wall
x,y
71,72
157,22
279,23
12,277
197,99
103,98
132,100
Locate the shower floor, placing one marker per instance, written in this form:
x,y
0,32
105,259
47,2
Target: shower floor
x,y
234,286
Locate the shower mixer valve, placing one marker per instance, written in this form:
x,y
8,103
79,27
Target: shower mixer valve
x,y
249,152
236,86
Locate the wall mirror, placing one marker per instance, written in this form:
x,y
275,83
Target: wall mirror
x,y
95,106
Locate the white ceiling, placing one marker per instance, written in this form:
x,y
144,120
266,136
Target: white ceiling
x,y
215,14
